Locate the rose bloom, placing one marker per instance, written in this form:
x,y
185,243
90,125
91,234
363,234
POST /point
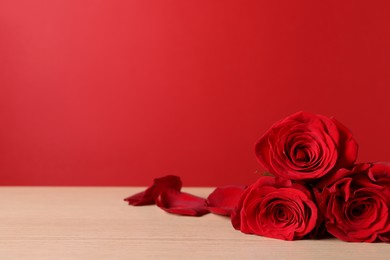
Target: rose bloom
x,y
276,208
306,146
355,203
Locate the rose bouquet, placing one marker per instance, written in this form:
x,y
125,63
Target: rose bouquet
x,y
313,188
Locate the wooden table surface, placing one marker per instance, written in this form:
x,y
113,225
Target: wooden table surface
x,y
95,223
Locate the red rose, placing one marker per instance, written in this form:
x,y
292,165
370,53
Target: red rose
x,y
355,203
276,208
306,146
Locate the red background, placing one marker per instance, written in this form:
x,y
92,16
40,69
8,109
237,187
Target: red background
x,y
119,92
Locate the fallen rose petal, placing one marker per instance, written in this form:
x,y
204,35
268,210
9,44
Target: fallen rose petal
x,y
182,203
223,200
148,197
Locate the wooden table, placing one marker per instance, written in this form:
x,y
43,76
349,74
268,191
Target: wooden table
x,y
95,223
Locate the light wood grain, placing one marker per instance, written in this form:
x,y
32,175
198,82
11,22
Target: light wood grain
x,y
95,223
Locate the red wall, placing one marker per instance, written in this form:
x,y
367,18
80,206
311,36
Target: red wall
x,y
119,92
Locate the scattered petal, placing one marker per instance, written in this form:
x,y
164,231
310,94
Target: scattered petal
x,y
182,203
148,197
223,200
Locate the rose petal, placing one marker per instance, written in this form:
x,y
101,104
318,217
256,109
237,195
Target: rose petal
x,y
385,237
235,216
182,203
148,197
348,146
223,200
